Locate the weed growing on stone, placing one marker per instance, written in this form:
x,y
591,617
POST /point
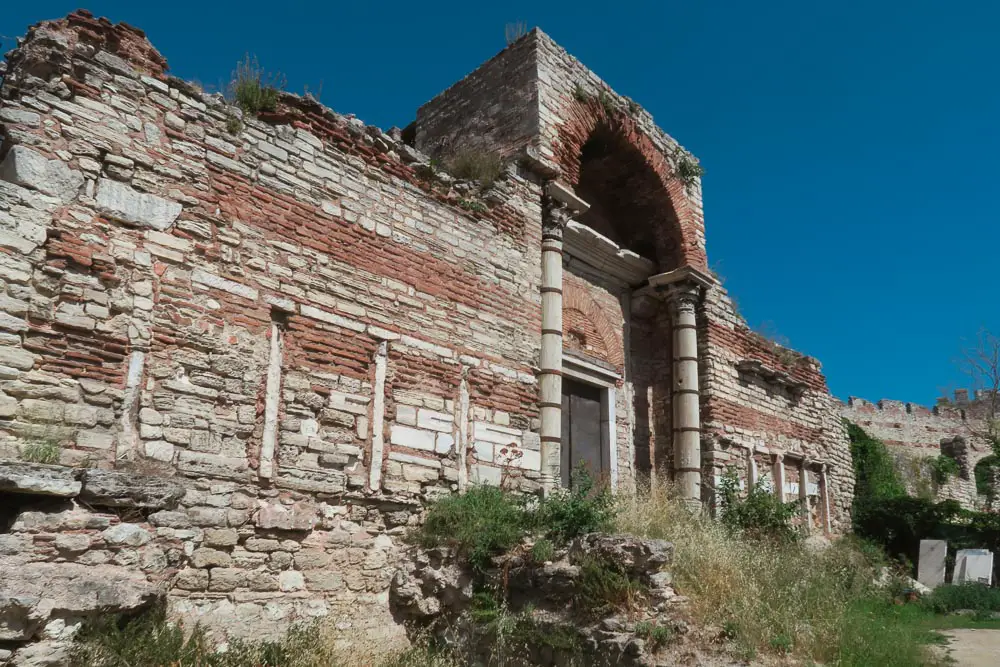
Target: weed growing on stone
x,y
233,124
580,93
40,451
603,588
487,521
481,523
476,165
252,89
686,168
942,468
657,636
542,550
473,205
607,103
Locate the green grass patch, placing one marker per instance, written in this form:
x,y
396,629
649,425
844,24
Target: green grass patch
x,y
947,599
41,451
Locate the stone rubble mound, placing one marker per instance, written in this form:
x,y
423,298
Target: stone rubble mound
x,y
435,592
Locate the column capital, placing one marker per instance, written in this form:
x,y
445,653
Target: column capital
x,y
559,205
681,288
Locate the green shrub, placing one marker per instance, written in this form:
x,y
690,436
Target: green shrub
x,y
942,467
586,507
252,89
580,93
482,523
946,599
984,474
41,451
542,550
760,515
476,165
875,474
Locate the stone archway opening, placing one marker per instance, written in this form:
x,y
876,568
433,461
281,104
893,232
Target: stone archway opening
x,y
629,203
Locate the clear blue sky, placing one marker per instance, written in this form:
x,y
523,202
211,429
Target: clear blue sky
x,y
851,147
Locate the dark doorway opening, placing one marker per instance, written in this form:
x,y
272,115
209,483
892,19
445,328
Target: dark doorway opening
x,y
581,430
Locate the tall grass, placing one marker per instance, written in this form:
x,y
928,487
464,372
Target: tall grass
x,y
150,640
776,596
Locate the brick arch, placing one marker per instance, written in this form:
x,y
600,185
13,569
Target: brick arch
x,y
675,220
581,313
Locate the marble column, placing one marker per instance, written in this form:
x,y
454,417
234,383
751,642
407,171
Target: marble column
x,y
559,205
683,289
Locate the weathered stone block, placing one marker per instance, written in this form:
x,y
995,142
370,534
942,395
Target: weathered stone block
x,y
127,534
260,544
26,167
221,537
192,580
291,580
206,557
124,203
224,579
38,478
406,436
72,543
300,516
118,489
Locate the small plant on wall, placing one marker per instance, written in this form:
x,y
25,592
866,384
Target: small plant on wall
x,y
686,168
252,89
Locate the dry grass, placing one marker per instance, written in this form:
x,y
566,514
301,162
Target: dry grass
x,y
769,597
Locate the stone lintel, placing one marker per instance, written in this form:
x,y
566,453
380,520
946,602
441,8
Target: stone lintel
x,y
565,195
684,275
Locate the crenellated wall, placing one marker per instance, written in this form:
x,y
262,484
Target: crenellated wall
x,y
915,433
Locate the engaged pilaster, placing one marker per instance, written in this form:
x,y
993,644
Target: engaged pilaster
x,y
559,205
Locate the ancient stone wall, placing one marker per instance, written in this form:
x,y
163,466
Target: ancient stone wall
x,y
915,433
286,312
312,331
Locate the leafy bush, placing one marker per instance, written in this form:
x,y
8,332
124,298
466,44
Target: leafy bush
x,y
252,89
942,467
486,521
761,515
984,471
476,165
586,507
482,523
875,474
946,599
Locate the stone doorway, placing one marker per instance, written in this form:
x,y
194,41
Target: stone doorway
x,y
582,441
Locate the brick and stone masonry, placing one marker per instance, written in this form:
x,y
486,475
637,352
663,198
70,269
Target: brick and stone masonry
x,y
312,331
914,433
